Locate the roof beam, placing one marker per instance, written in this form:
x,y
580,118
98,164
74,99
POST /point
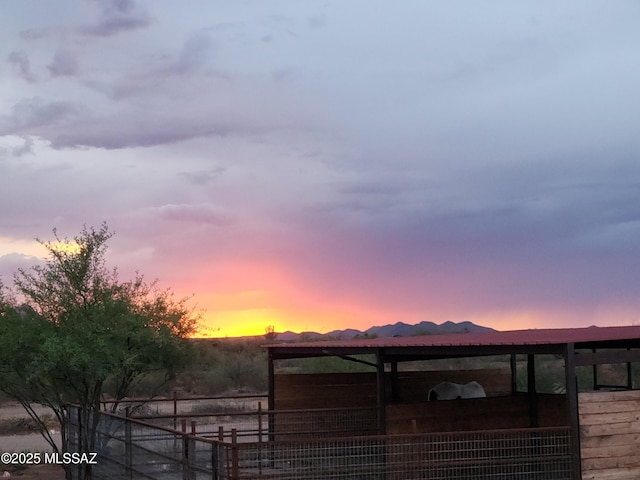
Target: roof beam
x,y
584,359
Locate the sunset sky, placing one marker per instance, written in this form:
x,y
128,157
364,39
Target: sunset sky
x,y
315,165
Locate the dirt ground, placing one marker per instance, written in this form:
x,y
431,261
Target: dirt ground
x,y
25,442
37,472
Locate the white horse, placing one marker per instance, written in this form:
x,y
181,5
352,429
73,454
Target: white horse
x,y
451,391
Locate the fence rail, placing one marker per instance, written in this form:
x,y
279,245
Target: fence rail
x,y
260,424
130,448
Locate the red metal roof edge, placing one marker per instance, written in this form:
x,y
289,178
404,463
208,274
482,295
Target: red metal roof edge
x,y
549,336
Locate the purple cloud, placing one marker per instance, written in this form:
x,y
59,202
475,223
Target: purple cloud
x,y
21,65
117,16
64,64
34,116
198,214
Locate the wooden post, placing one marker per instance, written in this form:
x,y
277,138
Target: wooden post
x,y
571,386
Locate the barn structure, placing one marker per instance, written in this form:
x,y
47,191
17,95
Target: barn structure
x,y
586,430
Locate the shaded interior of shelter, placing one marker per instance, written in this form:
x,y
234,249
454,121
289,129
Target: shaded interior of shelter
x,y
402,372
407,409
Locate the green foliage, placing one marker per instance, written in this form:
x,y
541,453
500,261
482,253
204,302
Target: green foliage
x,y
329,365
228,365
72,332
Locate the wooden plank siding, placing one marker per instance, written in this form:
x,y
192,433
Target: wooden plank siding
x,y
475,414
610,435
343,390
324,390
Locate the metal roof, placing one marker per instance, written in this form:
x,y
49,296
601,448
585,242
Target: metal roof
x,y
591,337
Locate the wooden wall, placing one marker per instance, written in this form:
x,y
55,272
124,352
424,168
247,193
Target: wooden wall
x,y
344,390
610,435
475,414
324,390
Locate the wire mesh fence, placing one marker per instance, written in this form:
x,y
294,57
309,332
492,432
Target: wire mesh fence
x,y
130,448
542,454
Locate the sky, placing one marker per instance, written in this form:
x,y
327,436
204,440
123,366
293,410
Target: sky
x,y
328,164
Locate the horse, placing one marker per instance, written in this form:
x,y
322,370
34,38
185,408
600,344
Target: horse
x,y
451,391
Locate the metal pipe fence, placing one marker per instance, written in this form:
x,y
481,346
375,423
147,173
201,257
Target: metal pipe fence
x,y
177,405
259,425
130,448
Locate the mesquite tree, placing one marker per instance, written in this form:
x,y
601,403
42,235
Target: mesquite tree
x,y
72,333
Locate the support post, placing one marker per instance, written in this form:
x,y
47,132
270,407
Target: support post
x,y
271,399
234,454
594,370
185,450
175,410
532,392
271,406
394,382
514,373
629,375
380,392
571,386
260,438
128,450
271,379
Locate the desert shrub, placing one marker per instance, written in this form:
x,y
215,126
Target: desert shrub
x,y
224,365
12,426
335,365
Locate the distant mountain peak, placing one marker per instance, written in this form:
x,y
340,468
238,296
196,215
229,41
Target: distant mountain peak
x,y
398,329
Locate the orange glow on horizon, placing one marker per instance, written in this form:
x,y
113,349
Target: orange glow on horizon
x,y
253,321
244,299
